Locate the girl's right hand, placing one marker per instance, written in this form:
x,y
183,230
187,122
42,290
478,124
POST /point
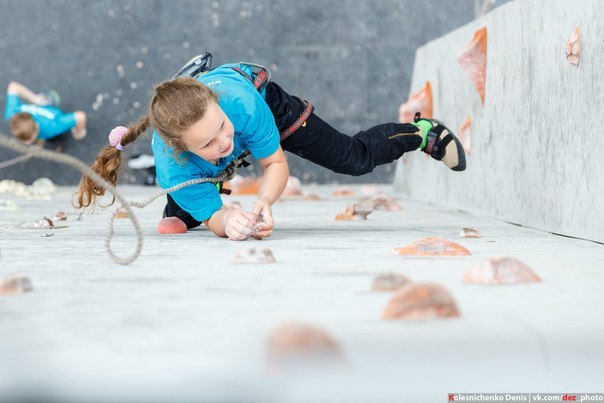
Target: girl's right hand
x,y
239,225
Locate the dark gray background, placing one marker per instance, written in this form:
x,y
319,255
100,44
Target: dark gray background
x,y
352,59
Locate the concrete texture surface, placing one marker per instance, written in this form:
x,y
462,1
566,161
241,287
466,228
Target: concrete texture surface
x,y
184,324
353,60
535,144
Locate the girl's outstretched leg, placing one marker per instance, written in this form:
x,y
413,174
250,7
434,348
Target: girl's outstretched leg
x,y
320,143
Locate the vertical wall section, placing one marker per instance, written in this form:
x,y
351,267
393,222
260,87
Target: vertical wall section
x,y
536,143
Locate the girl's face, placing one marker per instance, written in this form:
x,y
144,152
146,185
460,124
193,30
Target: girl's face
x,y
211,137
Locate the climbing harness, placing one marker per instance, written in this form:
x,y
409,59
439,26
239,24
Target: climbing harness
x,y
196,66
300,122
261,76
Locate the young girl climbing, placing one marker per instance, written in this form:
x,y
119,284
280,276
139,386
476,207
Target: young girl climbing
x,y
202,124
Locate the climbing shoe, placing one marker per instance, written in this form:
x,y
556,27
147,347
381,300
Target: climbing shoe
x,y
440,143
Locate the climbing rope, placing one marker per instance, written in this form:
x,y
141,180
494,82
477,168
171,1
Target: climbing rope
x,y
13,161
226,175
38,152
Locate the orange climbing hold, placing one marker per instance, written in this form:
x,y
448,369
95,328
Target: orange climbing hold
x,y
464,135
342,192
357,212
573,48
421,302
432,247
312,197
171,225
295,345
243,185
501,270
473,60
418,102
15,285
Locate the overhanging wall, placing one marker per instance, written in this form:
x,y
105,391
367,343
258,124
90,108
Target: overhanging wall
x,y
537,141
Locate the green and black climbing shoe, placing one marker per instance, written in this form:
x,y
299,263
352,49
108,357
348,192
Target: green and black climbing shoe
x,y
440,143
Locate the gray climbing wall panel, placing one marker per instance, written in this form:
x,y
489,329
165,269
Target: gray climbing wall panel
x,y
352,59
536,141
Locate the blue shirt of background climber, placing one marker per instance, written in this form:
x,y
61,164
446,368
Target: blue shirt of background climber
x,y
31,117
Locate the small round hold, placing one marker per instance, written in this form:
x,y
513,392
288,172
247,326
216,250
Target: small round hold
x,y
383,202
432,247
390,282
15,285
171,225
312,196
501,271
296,345
60,216
254,255
357,212
469,233
342,192
421,302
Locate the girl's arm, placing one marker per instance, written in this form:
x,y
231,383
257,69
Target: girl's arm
x,y
239,225
275,175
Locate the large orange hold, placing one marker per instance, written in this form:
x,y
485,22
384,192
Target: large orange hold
x,y
418,102
15,285
295,345
501,270
171,225
243,185
473,60
432,247
421,302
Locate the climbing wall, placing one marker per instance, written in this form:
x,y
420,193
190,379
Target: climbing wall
x,y
522,87
351,59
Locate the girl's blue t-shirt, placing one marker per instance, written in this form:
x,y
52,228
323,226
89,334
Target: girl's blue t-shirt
x,y
255,130
51,121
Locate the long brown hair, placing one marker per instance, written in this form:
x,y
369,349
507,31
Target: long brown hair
x,y
175,106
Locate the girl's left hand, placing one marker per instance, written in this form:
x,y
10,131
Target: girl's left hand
x,y
264,219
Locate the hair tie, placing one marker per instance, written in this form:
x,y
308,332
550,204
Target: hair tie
x,y
116,135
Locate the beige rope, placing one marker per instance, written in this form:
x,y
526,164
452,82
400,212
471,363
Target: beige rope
x,y
227,174
14,161
38,152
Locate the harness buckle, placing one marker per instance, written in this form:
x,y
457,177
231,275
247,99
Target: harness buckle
x,y
196,66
